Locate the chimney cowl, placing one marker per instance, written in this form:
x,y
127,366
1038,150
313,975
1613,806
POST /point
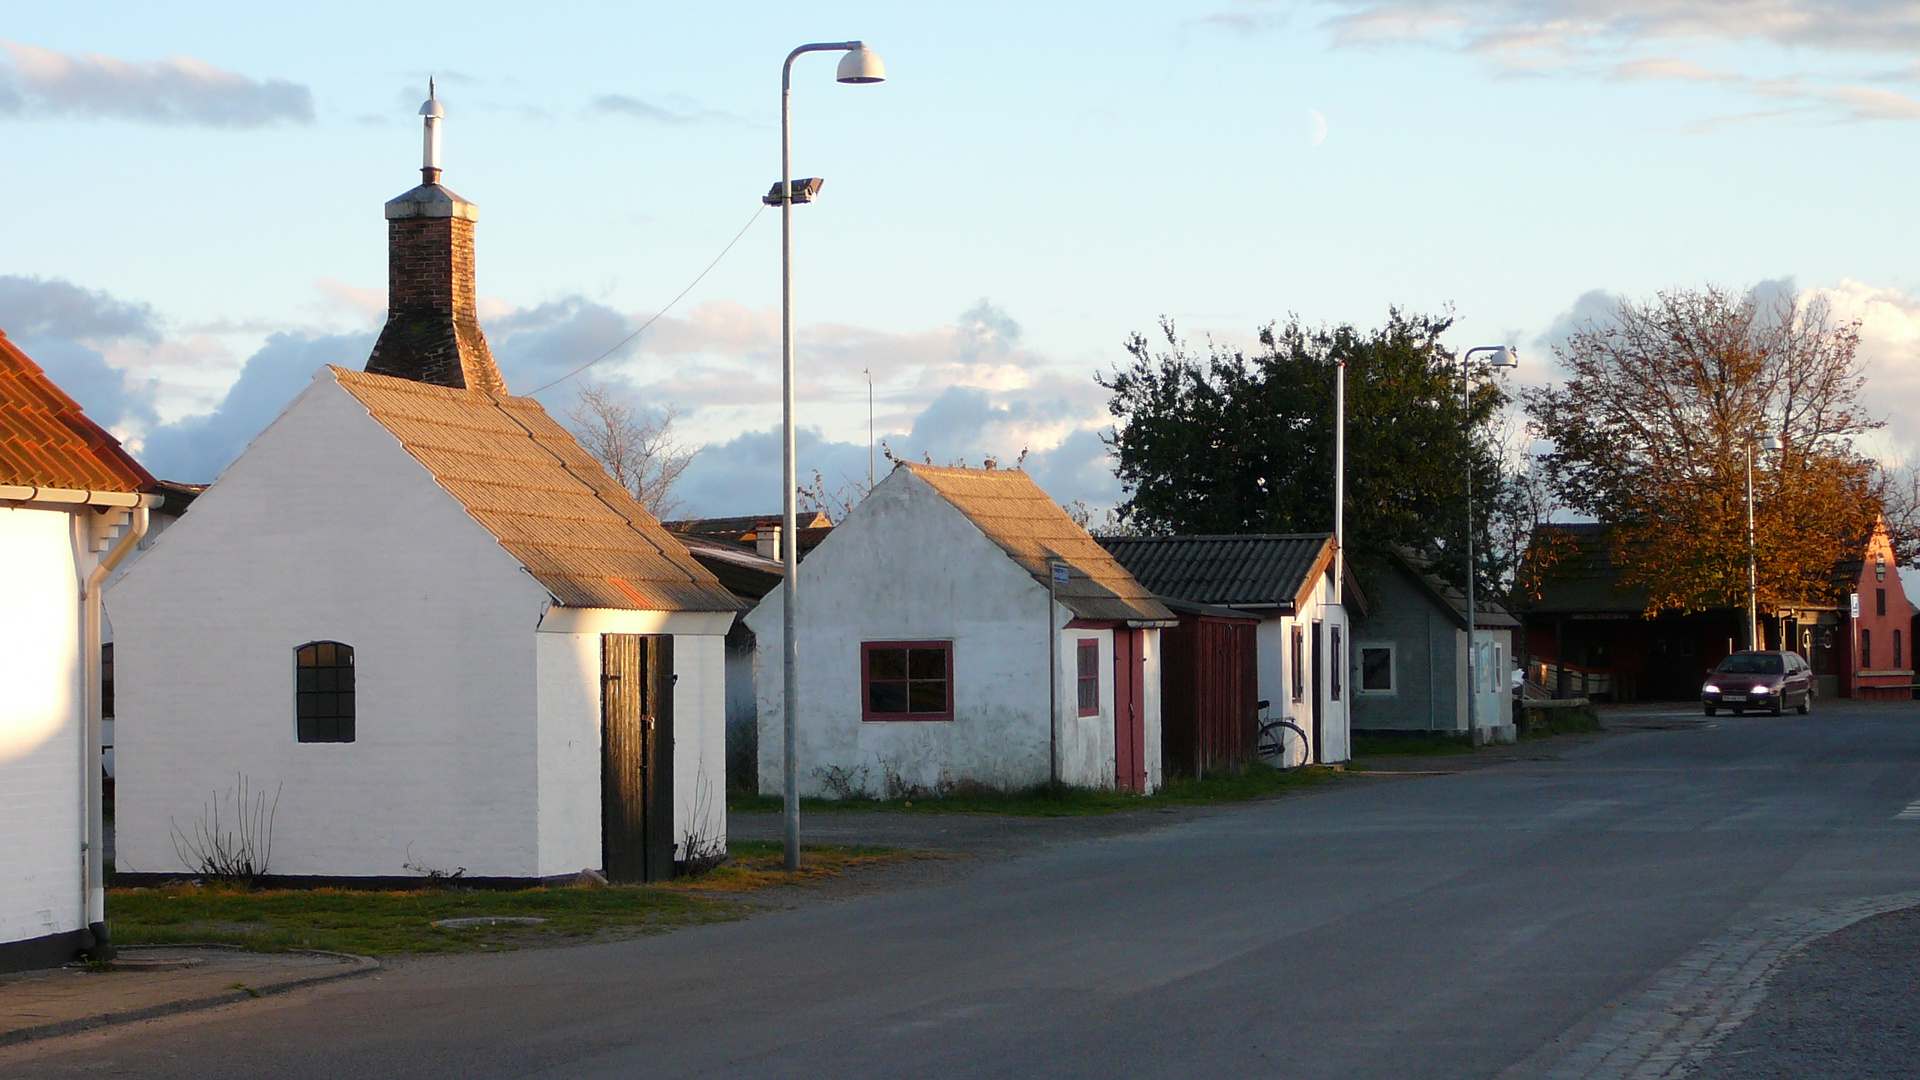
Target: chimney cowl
x,y
431,201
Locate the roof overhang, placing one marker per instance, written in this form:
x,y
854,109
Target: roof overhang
x,y
561,619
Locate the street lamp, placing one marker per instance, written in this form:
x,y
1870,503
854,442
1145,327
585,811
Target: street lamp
x,y
860,65
1503,357
1764,442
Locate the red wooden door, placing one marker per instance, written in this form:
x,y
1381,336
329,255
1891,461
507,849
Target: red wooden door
x,y
1129,710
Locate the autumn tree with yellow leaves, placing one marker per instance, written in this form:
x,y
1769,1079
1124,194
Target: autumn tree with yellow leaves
x,y
1651,432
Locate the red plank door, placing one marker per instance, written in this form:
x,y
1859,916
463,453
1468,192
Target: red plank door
x,y
1129,710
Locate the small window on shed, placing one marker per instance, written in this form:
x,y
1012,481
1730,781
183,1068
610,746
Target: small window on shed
x,y
323,692
1866,648
1087,667
1335,666
1376,669
1896,648
1879,601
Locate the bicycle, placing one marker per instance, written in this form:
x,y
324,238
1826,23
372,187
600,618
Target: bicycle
x,y
1282,745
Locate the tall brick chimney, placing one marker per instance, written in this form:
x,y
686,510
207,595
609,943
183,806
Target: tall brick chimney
x,y
433,333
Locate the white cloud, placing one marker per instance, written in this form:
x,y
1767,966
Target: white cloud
x,y
1890,346
36,82
1833,46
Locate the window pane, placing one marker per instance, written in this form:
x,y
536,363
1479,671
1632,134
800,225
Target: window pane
x,y
1376,669
929,696
1090,695
927,664
345,706
306,655
887,697
886,663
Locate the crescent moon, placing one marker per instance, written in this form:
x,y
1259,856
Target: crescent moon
x,y
1316,127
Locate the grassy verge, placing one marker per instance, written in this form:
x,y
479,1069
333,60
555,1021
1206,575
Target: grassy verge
x,y
1409,745
388,922
1257,782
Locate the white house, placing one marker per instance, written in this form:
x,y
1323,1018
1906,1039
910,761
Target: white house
x,y
423,627
1304,639
71,507
924,629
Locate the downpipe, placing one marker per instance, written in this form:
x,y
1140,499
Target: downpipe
x,y
97,941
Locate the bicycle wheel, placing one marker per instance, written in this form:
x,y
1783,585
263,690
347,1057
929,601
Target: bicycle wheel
x,y
1282,745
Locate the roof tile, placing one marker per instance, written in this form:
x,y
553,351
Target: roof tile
x,y
47,441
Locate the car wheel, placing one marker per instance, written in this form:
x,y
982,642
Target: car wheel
x,y
1779,704
1711,710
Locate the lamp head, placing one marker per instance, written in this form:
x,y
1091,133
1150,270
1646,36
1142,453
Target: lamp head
x,y
1767,442
861,65
1504,357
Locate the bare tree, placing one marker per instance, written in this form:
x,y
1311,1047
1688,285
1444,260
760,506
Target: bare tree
x,y
637,446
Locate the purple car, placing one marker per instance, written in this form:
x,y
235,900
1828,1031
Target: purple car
x,y
1759,680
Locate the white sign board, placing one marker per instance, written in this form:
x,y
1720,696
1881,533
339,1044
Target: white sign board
x,y
1853,605
1060,578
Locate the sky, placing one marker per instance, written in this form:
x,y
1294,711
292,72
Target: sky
x,y
194,197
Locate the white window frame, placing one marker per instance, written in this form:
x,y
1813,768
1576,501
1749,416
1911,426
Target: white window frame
x,y
1360,649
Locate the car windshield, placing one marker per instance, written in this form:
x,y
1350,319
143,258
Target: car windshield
x,y
1750,664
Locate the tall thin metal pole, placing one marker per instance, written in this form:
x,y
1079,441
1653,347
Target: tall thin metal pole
x,y
869,372
1053,680
789,484
1473,685
1753,575
1339,480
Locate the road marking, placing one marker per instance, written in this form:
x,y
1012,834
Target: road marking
x,y
1911,813
1690,1007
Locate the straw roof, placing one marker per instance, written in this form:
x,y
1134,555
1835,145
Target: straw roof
x,y
548,503
1033,530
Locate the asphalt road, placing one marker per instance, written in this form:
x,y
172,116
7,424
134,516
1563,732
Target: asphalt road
x,y
1489,923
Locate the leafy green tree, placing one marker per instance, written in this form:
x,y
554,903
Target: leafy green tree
x,y
1228,442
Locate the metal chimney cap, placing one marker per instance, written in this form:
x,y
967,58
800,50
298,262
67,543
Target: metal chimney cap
x,y
432,105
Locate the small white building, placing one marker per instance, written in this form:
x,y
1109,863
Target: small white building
x,y
423,628
1304,641
72,506
924,629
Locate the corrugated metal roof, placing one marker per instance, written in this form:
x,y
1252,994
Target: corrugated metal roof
x,y
547,502
47,441
1030,527
1230,571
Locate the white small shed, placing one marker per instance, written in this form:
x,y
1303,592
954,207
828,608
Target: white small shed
x,y
1304,640
422,627
72,506
924,631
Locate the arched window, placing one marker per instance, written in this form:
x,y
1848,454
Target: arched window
x,y
323,691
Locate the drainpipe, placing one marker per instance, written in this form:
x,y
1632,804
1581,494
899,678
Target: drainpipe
x,y
93,893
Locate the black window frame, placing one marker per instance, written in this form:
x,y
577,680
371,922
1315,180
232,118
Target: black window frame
x,y
1336,662
1361,649
325,701
1866,648
1297,656
1879,601
867,680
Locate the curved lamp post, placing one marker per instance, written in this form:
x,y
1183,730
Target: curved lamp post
x,y
1498,356
859,65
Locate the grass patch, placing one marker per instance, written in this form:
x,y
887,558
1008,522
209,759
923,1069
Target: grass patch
x,y
1409,745
1543,723
1257,782
389,922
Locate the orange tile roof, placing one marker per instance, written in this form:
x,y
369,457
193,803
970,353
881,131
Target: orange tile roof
x,y
46,441
548,503
1033,530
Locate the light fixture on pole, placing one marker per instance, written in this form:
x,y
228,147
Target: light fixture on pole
x,y
1504,357
1764,442
860,65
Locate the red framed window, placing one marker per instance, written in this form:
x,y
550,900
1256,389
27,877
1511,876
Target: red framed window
x,y
1086,653
906,680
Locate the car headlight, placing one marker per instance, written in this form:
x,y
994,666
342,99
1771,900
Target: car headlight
x,y
1709,689
1760,689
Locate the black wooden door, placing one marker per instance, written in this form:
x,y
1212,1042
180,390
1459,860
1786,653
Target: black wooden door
x,y
636,757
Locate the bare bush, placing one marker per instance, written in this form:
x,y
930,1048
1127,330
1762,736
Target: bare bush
x,y
232,842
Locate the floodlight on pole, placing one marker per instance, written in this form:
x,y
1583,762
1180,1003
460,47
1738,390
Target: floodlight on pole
x,y
860,65
1504,358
